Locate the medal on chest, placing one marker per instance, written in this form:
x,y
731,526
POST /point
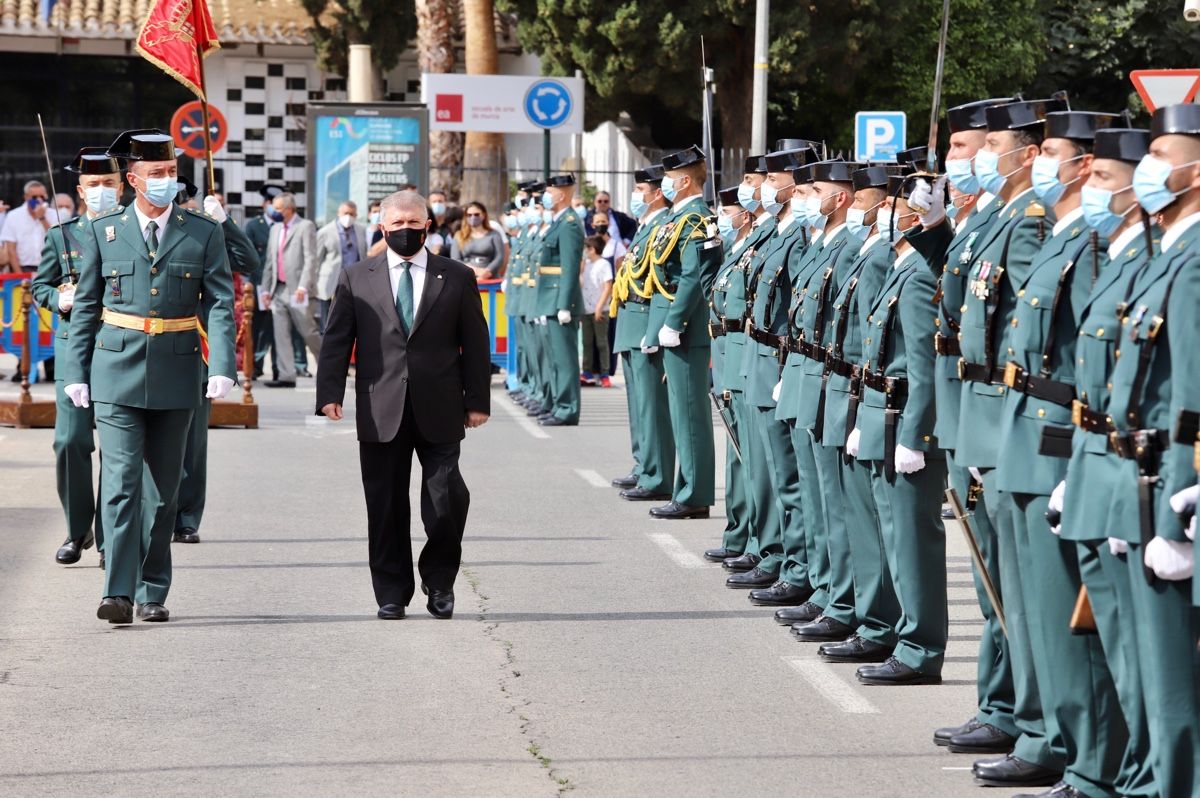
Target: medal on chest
x,y
964,257
981,286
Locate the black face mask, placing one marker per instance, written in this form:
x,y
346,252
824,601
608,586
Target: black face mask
x,y
601,229
405,242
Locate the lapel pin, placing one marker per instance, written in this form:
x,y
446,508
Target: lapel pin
x,y
179,218
110,233
125,218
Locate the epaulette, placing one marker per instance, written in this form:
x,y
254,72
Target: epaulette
x,y
199,215
570,216
1035,209
110,212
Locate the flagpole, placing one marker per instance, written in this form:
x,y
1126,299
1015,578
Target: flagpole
x,y
208,151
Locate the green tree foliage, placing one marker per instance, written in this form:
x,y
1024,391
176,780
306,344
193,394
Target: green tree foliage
x,y
387,25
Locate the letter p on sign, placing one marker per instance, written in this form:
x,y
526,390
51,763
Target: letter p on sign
x,y
879,135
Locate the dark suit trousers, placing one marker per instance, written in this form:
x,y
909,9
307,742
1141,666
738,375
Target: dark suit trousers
x,y
444,501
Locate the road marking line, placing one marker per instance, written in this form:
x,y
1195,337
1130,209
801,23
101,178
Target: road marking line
x,y
523,422
677,551
956,768
591,477
830,685
316,421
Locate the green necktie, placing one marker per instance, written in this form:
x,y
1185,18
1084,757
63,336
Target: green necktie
x,y
152,238
404,297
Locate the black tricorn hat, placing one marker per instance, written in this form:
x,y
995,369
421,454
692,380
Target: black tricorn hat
x,y
795,144
914,157
803,174
525,185
535,187
560,181
270,191
1022,114
971,116
788,160
728,196
1078,125
651,174
144,145
900,185
836,171
188,188
510,206
1182,119
1122,144
678,160
94,161
756,165
870,177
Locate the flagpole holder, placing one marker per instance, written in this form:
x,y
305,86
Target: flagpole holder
x,y
244,413
25,412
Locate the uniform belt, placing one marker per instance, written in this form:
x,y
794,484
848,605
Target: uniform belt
x,y
802,347
946,345
1090,420
716,329
766,339
895,388
154,326
837,365
636,299
1139,444
1021,381
978,372
549,269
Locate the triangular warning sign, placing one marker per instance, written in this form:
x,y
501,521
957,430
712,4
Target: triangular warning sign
x,y
1159,87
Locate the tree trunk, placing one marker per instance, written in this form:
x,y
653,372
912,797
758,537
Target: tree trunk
x,y
735,92
485,173
435,53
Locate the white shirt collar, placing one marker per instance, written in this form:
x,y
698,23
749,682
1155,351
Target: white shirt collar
x,y
1067,221
558,215
830,234
759,221
985,199
816,236
737,245
904,257
785,223
161,219
1022,194
1123,240
419,261
871,239
652,214
1177,230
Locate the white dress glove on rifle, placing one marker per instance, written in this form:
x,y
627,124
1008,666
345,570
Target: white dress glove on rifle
x,y
564,317
1057,496
1171,560
1185,501
908,461
80,394
66,300
1117,546
213,208
775,390
852,442
668,337
930,202
218,387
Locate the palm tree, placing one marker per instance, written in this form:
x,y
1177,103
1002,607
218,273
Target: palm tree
x,y
485,177
435,53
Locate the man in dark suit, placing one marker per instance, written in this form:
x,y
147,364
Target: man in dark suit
x,y
423,376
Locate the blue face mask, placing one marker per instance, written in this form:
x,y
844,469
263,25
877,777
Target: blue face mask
x,y
883,221
547,217
160,191
987,169
274,215
726,229
1098,212
547,201
100,198
669,189
962,176
1150,183
856,223
637,204
770,199
746,197
510,222
952,210
439,208
1046,183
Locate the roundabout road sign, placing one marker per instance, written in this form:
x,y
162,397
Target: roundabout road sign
x,y
548,104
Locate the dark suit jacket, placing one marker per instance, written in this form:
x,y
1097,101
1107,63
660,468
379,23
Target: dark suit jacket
x,y
443,367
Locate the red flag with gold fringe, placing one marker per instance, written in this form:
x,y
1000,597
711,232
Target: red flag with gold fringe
x,y
175,36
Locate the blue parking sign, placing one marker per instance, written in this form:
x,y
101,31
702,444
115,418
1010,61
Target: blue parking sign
x,y
879,135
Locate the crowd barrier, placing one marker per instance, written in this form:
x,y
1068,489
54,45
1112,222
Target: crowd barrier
x,y
13,324
503,340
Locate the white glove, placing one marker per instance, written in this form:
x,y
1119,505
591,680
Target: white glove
x,y
1171,560
668,337
80,394
1056,496
564,317
1182,502
213,208
775,390
218,387
976,473
921,198
1117,546
852,441
908,461
934,211
541,320
66,299
647,350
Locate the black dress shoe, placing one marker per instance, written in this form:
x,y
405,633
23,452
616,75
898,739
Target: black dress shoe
x,y
674,511
441,602
942,736
280,383
636,494
806,612
535,411
1060,790
153,613
555,421
72,550
1011,771
755,577
983,739
391,612
628,481
742,563
947,514
186,534
821,629
780,594
894,672
720,555
115,609
303,373
856,649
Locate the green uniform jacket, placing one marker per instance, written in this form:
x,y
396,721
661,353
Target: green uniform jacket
x,y
815,313
532,252
60,255
189,276
1003,256
736,308
907,353
514,287
562,247
761,364
1042,342
258,230
802,264
688,263
727,273
633,314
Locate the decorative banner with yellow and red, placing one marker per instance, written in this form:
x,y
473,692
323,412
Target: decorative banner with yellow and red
x,y
175,36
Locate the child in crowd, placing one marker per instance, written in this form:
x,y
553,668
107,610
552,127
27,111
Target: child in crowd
x,y
597,278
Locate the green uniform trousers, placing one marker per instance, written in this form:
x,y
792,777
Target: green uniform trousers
x,y
631,408
656,443
993,677
775,438
838,552
1106,577
137,444
194,484
910,513
691,424
543,386
563,341
875,606
74,442
815,544
737,505
764,536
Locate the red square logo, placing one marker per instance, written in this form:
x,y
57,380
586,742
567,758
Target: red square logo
x,y
448,108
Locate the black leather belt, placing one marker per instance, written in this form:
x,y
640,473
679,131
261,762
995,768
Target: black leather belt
x,y
766,339
946,345
895,388
1138,444
718,328
1090,420
837,366
1060,393
802,347
637,299
978,372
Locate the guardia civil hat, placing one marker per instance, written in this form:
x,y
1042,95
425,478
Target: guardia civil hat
x,y
1077,125
788,160
835,171
535,187
728,196
187,186
1182,119
971,116
270,191
873,176
1122,144
901,185
561,181
651,174
914,158
144,145
93,161
756,165
796,144
1022,114
678,160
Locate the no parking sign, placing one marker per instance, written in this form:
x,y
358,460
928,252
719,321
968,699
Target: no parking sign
x,y
187,128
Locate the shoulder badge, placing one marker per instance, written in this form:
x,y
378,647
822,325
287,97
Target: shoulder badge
x,y
196,214
113,211
1035,209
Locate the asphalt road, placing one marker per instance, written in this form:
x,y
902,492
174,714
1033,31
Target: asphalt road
x,y
593,651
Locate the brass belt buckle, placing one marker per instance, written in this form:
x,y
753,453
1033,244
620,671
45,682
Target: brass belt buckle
x,y
962,369
152,326
1077,413
1011,372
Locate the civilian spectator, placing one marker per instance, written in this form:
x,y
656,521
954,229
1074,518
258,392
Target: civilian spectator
x,y
339,244
25,230
478,245
597,276
64,204
373,232
614,248
440,231
289,282
620,225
